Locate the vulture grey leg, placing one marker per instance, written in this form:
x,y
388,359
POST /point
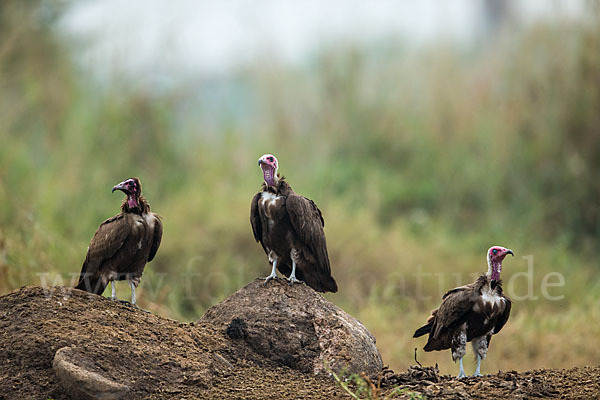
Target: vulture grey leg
x,y
114,291
132,292
459,348
292,279
461,373
294,254
480,346
273,271
477,370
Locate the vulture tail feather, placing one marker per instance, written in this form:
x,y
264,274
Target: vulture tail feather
x,y
423,330
330,285
91,284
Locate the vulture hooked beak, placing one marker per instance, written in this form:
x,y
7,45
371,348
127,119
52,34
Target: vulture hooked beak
x,y
260,162
509,251
120,186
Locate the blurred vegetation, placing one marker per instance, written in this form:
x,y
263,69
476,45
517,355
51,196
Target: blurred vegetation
x,y
420,159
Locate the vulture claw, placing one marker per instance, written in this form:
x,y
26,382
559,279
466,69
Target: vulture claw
x,y
268,278
292,280
133,306
138,308
477,375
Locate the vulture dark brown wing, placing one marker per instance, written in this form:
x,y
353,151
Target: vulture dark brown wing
x,y
157,237
255,219
107,240
456,303
307,221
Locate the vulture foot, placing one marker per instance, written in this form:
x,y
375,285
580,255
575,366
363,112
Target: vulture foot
x,y
273,273
134,306
268,278
138,308
477,375
293,279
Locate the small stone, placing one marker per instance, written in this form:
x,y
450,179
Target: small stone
x,y
81,383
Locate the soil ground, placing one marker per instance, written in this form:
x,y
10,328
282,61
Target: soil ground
x,y
162,358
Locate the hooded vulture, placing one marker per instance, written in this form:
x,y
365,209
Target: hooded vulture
x,y
470,313
290,229
123,244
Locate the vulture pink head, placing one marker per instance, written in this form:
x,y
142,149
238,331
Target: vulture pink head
x,y
495,255
132,187
269,164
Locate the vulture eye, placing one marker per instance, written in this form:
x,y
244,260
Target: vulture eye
x,y
271,159
495,251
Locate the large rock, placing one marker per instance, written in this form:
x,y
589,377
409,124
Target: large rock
x,y
295,326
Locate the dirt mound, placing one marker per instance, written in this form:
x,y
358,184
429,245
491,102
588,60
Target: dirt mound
x,y
153,357
296,327
126,350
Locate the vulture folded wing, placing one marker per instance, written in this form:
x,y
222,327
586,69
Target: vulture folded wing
x,y
107,240
158,231
308,223
255,219
456,303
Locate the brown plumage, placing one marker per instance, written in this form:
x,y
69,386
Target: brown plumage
x,y
123,244
470,313
290,230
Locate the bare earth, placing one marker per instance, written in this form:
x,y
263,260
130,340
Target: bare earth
x,y
157,357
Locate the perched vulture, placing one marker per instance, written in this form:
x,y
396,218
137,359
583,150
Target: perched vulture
x,y
123,244
470,313
290,229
